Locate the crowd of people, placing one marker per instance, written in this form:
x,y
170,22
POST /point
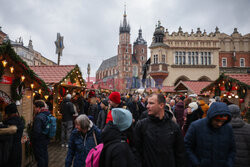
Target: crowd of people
x,y
141,130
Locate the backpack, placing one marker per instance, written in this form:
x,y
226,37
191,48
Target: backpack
x,y
50,128
93,156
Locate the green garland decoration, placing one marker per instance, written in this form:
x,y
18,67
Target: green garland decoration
x,y
224,77
217,91
242,92
1,70
72,77
16,86
5,49
228,86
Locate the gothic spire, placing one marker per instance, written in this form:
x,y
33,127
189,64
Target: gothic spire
x,y
124,28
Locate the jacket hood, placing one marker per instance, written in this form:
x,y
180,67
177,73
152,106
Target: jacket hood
x,y
179,105
219,108
111,133
202,102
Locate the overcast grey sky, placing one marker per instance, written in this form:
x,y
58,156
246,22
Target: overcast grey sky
x,y
91,27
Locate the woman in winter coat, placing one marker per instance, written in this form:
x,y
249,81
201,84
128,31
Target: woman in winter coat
x,y
13,118
116,151
194,112
83,138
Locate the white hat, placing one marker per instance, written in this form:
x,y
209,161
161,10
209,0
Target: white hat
x,y
193,95
193,106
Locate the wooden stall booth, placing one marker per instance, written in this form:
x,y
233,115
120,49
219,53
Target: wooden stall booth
x,y
19,83
234,87
62,79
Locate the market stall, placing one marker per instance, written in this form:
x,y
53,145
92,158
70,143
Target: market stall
x,y
234,87
18,83
61,79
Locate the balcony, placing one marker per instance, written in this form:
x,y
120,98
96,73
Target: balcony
x,y
158,72
158,68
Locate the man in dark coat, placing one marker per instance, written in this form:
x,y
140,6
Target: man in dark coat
x,y
101,121
133,107
39,140
13,118
158,139
242,137
67,111
209,141
116,151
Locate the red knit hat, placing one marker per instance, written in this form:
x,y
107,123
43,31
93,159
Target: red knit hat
x,y
115,97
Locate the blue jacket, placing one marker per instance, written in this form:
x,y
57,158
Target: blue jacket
x,y
79,146
210,147
39,125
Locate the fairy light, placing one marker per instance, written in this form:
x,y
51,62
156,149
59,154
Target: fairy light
x,y
4,63
40,91
11,69
46,97
22,78
236,96
32,86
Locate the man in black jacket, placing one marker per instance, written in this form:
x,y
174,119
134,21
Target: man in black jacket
x,y
158,139
67,111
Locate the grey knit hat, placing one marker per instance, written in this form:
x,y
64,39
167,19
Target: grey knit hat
x,y
234,109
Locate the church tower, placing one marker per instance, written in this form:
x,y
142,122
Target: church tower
x,y
140,51
124,51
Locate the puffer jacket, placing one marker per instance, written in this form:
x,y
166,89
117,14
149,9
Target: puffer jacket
x,y
159,142
116,151
80,145
242,139
207,146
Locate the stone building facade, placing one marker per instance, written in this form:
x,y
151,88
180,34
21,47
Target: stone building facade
x,y
29,55
123,72
234,53
195,56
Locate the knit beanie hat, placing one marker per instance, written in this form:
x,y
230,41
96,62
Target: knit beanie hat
x,y
122,118
115,97
68,96
193,106
182,98
105,102
11,108
234,109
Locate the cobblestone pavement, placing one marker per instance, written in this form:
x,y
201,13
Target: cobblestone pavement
x,y
57,155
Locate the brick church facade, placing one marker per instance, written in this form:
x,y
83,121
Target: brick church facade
x,y
123,72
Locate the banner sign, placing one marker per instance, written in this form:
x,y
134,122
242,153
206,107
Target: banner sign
x,y
6,80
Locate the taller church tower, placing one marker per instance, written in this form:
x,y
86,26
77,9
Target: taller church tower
x,y
124,52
